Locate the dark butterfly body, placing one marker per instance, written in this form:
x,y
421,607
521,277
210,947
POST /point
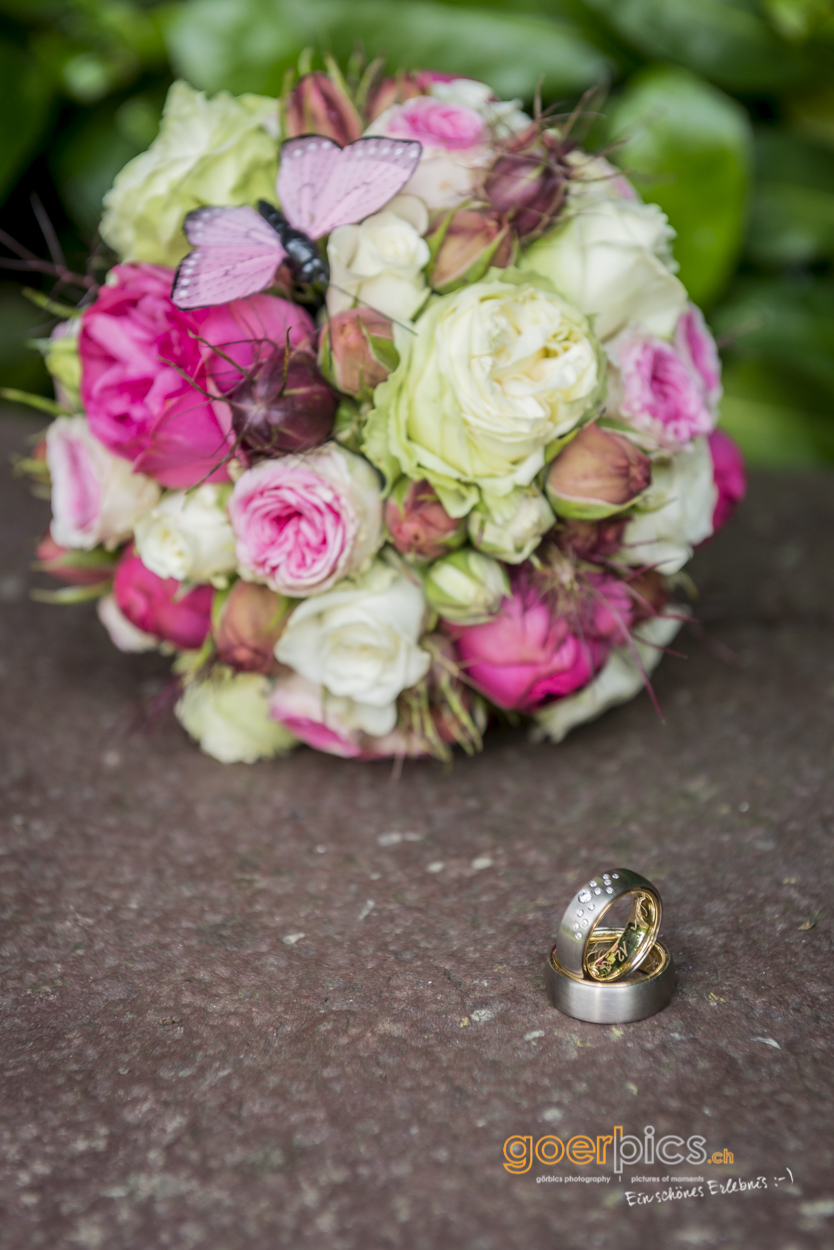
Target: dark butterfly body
x,y
321,186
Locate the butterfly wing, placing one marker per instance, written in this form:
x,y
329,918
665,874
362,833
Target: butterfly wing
x,y
235,254
322,186
307,165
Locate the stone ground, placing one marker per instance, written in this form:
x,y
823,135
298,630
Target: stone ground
x,y
301,1003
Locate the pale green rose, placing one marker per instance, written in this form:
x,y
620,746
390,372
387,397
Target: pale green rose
x,y
227,714
510,528
495,374
207,152
466,587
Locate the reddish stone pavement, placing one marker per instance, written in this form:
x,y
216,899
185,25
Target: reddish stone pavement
x,y
178,1073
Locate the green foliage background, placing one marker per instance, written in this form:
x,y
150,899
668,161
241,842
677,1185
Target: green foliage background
x,y
726,106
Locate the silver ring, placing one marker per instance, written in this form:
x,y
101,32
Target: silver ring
x,y
630,945
618,1002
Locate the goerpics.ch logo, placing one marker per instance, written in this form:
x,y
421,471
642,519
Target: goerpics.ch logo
x,y
616,1148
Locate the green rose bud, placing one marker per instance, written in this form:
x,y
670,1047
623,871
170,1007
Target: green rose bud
x,y
466,587
207,152
511,528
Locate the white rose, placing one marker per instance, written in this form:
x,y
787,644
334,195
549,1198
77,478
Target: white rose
x,y
123,633
510,528
496,372
612,259
96,497
593,177
359,641
326,721
188,536
618,681
380,262
678,515
228,715
207,152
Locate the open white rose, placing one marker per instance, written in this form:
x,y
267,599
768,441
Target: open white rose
x,y
207,151
188,535
496,372
679,509
380,262
96,497
360,641
612,259
228,715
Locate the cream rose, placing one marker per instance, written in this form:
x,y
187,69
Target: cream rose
x,y
612,258
207,152
495,373
228,715
381,261
677,513
360,641
96,498
511,528
188,536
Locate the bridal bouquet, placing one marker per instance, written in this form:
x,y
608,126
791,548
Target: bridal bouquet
x,y
389,418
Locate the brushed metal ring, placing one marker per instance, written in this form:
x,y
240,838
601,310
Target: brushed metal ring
x,y
630,945
618,1002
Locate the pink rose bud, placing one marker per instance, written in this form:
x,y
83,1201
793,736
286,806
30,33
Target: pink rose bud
x,y
465,244
281,406
319,106
157,606
250,623
77,568
730,477
598,473
527,182
390,91
357,352
418,523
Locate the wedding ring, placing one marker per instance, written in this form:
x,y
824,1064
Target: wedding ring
x,y
643,994
630,946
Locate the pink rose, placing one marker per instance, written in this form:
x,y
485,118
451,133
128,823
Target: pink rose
x,y
527,653
656,390
144,371
156,605
302,523
456,147
730,477
697,346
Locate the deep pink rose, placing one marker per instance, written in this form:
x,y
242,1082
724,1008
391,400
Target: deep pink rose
x,y
697,346
144,371
304,522
657,390
156,606
528,654
730,477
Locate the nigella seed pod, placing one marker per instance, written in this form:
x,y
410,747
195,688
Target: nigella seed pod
x,y
527,183
283,405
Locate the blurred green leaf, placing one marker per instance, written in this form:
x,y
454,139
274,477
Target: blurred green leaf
x,y
25,96
813,115
86,158
773,417
725,40
692,146
20,367
792,214
247,45
789,325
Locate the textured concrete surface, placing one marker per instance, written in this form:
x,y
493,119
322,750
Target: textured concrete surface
x,y
301,1004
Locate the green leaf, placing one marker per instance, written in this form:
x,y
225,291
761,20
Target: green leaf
x,y
248,45
25,97
774,421
20,367
792,213
689,150
725,40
